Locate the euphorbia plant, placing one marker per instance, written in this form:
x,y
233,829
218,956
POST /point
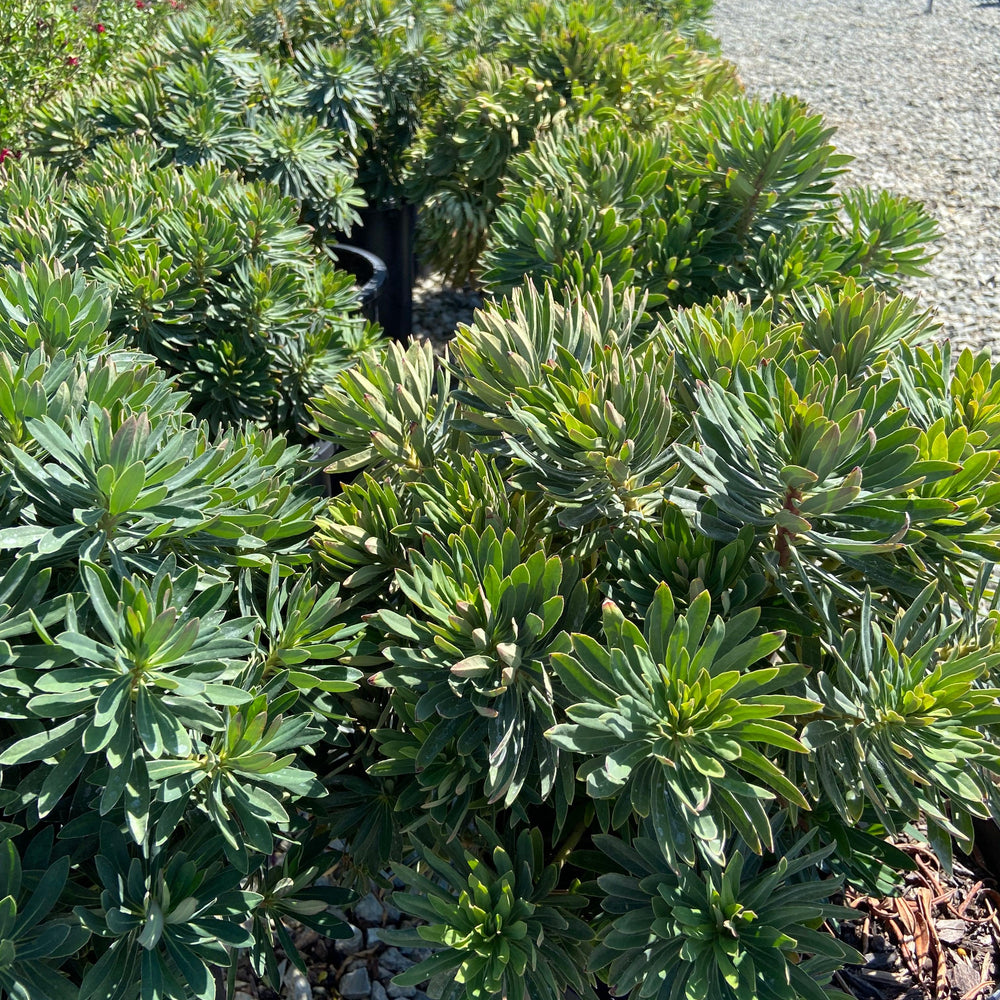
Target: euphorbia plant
x,y
212,276
654,607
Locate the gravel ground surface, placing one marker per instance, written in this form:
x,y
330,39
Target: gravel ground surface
x,y
915,97
359,967
437,309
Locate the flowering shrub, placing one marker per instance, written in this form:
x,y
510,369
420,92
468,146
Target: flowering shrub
x,y
52,45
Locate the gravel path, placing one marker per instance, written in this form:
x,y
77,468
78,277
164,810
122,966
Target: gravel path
x,y
916,99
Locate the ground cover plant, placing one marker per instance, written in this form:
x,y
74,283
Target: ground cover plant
x,y
641,622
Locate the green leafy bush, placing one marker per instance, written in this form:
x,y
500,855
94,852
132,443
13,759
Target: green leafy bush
x,y
738,931
542,66
739,197
213,277
507,934
399,51
51,46
201,99
797,567
161,673
657,606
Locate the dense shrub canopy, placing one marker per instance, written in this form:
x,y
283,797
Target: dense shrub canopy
x,y
213,277
640,620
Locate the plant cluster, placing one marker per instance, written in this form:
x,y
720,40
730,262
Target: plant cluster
x,y
402,48
50,46
404,101
534,69
213,277
199,98
680,592
644,617
738,198
460,91
167,660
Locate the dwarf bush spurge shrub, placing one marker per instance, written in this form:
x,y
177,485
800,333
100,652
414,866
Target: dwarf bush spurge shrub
x,y
738,197
460,91
213,277
148,678
547,65
542,945
759,650
736,932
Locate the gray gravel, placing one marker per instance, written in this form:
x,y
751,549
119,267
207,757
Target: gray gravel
x,y
438,309
916,99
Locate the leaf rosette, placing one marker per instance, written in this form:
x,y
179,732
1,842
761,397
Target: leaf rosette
x,y
676,724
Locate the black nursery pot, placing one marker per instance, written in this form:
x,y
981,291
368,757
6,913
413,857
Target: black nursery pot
x,y
320,454
391,233
369,272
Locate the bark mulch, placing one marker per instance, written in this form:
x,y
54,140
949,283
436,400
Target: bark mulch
x,y
937,940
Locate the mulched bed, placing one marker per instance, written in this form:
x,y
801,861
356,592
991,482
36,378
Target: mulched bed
x,y
938,940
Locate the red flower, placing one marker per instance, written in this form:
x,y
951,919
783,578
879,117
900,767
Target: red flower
x,y
72,61
139,5
99,28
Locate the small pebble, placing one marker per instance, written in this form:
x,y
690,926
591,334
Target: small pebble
x,y
952,931
369,909
393,960
355,984
306,938
398,992
378,991
353,944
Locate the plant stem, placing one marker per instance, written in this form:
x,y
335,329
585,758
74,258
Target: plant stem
x,y
567,846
